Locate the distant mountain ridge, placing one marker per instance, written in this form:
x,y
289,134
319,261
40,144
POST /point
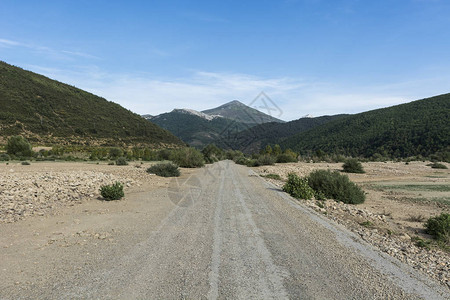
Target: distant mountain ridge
x,y
200,128
195,128
47,111
238,111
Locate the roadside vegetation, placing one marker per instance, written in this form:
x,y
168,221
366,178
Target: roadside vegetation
x,y
112,192
439,228
324,184
164,170
352,165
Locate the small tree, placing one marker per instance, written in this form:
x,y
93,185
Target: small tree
x,y
276,150
352,166
115,153
19,146
187,158
439,227
268,150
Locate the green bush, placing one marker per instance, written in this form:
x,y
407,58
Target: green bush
x,y
265,160
121,161
4,157
212,153
165,170
334,185
352,165
437,165
241,160
439,227
298,187
286,158
115,153
19,146
25,163
187,158
112,192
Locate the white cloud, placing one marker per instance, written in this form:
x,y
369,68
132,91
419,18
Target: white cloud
x,y
202,90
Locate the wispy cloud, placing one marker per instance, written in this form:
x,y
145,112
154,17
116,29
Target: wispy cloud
x,y
202,90
54,53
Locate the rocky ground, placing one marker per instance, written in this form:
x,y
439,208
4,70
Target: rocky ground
x,y
43,187
393,215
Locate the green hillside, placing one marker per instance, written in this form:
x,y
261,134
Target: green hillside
x,y
257,137
420,127
195,130
47,111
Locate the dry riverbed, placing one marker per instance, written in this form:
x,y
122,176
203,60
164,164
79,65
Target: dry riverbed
x,y
400,197
43,187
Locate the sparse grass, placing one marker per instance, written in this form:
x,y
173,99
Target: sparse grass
x,y
367,224
421,243
439,200
416,187
272,176
437,165
416,218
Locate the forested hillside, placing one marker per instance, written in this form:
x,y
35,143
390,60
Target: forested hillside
x,y
254,138
420,127
48,111
195,130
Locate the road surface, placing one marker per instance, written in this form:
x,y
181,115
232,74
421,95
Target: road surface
x,y
221,233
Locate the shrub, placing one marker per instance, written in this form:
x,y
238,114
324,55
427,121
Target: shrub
x,y
212,153
165,170
334,185
439,227
352,165
164,154
19,146
265,160
121,161
187,158
4,157
112,192
111,163
115,152
286,158
437,165
25,163
298,187
241,160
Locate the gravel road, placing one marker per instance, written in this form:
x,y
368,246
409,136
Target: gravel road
x,y
220,233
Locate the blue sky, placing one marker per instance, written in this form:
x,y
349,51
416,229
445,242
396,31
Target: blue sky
x,y
309,56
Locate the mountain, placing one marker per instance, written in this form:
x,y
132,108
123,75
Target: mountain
x,y
47,111
199,129
195,128
242,113
255,138
420,127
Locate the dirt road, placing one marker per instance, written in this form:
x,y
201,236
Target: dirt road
x,y
220,233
